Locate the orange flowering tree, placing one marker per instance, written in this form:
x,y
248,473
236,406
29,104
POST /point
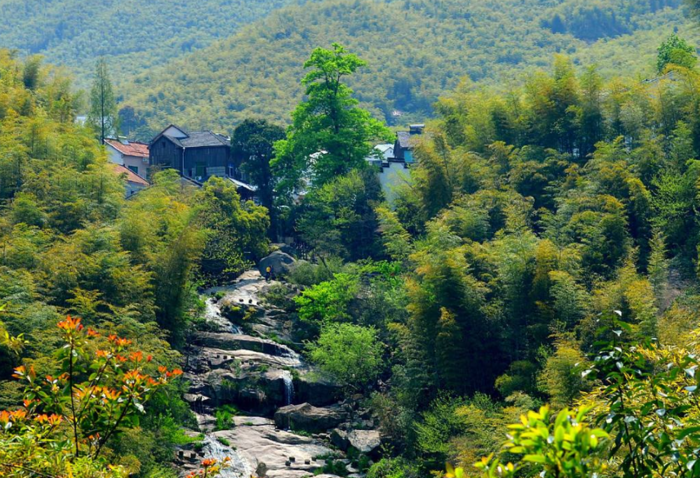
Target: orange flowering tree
x,y
210,468
67,418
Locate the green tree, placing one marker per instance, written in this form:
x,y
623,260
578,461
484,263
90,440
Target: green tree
x,y
675,51
338,219
102,116
350,353
235,232
330,135
252,145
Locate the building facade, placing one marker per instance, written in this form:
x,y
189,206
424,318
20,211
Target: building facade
x,y
133,155
196,155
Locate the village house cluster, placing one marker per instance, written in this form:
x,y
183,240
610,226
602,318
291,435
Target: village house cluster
x,y
201,154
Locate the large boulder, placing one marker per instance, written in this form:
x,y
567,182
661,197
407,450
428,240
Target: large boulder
x,y
272,453
364,441
317,391
278,261
250,389
308,418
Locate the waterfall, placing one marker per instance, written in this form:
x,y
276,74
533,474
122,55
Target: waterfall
x,y
239,468
212,312
288,387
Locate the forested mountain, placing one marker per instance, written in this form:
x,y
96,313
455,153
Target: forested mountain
x,y
134,34
526,305
415,49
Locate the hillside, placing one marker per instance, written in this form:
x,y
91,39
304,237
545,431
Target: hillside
x,y
133,34
416,49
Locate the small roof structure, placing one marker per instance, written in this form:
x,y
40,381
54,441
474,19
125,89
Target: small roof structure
x,y
194,139
131,176
403,137
129,148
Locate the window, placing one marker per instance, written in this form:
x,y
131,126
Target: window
x,y
134,169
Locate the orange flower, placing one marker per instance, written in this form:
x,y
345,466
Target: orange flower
x,y
132,375
101,353
149,358
18,414
121,358
162,369
175,373
55,419
208,462
136,356
118,341
4,416
43,418
92,333
20,372
70,324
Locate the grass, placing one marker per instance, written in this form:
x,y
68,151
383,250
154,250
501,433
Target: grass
x,y
223,441
224,417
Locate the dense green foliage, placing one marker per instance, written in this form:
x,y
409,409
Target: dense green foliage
x,y
416,50
329,135
349,353
544,253
252,145
71,244
547,232
134,35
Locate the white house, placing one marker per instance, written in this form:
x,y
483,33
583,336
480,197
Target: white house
x,y
130,154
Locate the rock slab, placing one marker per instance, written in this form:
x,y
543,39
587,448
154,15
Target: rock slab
x,y
308,418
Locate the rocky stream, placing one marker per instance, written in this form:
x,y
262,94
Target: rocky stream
x,y
287,422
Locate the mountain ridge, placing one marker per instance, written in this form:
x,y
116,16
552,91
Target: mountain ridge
x,y
415,50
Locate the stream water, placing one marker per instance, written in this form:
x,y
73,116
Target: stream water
x,y
288,387
212,312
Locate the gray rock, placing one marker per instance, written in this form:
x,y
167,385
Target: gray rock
x,y
317,391
264,444
339,439
365,441
309,418
278,261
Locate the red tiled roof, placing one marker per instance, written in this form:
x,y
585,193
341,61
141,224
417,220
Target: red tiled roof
x,y
131,176
140,150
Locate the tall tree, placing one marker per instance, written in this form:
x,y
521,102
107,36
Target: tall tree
x,y
330,135
675,51
253,149
103,105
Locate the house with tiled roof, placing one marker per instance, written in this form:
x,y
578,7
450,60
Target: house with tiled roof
x,y
403,147
134,182
196,155
130,154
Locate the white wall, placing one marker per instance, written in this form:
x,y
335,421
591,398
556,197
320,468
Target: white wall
x,y
114,155
391,176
